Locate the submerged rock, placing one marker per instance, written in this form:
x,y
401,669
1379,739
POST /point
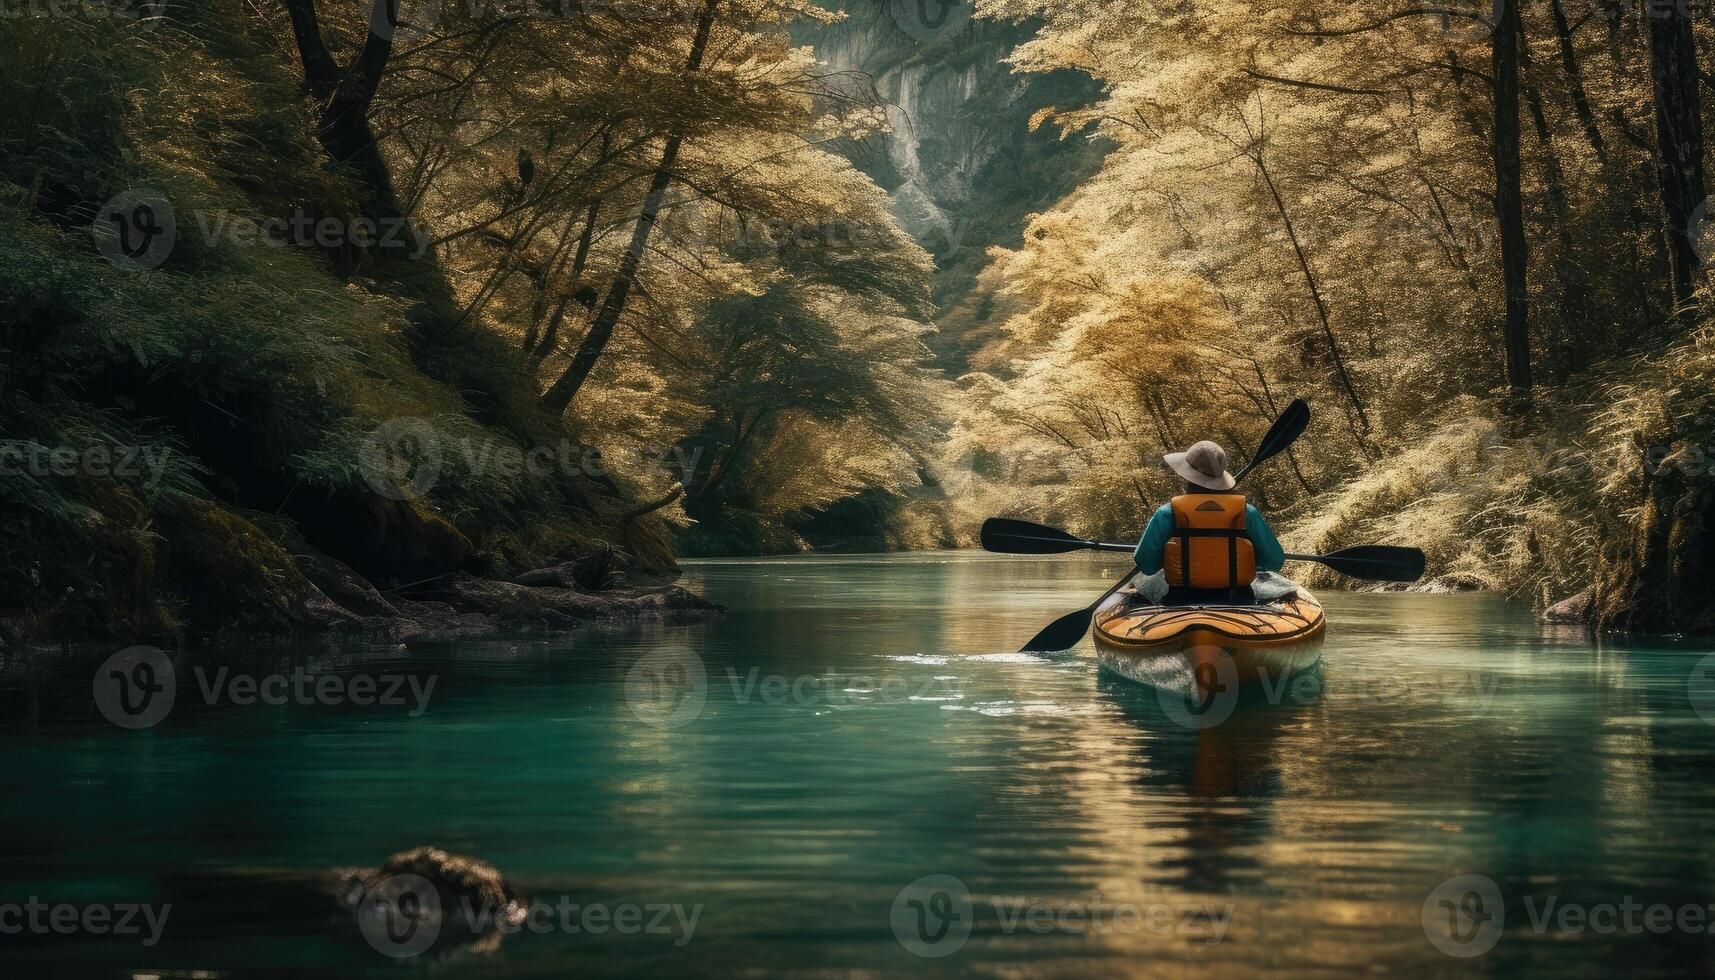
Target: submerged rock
x,y
427,900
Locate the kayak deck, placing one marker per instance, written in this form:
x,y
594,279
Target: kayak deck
x,y
1198,647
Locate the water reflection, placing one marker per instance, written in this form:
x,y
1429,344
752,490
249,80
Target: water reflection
x,y
1440,736
1226,774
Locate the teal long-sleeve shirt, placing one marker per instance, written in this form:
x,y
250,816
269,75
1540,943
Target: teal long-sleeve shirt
x,y
1152,547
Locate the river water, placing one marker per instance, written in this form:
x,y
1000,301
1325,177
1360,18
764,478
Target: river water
x,y
851,772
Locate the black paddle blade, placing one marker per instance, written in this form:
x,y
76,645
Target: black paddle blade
x,y
1065,632
1010,537
1281,435
1379,562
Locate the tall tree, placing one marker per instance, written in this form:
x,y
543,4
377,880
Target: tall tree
x,y
1574,305
1361,426
344,97
1509,203
1575,80
559,395
1679,141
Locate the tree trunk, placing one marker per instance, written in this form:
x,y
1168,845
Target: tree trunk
x,y
1679,138
1574,296
1575,81
1574,304
1455,251
343,98
1321,306
540,351
1509,208
650,506
721,464
1468,109
559,397
345,95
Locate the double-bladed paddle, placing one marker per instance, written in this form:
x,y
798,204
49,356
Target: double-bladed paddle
x,y
1379,562
1066,631
1279,437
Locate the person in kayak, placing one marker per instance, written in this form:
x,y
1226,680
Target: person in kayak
x,y
1207,539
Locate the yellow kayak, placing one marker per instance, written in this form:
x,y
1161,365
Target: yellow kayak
x,y
1208,648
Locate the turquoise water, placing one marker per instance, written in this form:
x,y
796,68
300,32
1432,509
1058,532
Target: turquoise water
x,y
850,769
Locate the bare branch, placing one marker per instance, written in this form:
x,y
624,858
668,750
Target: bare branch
x,y
1319,86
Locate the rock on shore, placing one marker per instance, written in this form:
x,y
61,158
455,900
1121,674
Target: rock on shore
x,y
464,606
1574,611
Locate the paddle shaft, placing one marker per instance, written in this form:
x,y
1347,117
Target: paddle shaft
x,y
1076,545
1360,561
1289,556
1386,563
1128,548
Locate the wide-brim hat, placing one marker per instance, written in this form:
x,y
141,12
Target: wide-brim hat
x,y
1204,464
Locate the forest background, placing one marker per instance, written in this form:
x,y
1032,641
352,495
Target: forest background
x,y
299,292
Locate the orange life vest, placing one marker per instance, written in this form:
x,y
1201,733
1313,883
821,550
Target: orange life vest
x,y
1210,529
